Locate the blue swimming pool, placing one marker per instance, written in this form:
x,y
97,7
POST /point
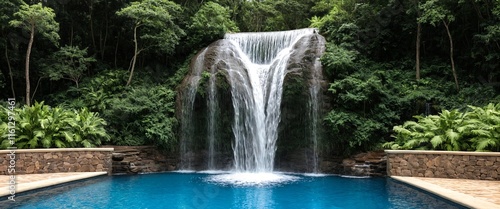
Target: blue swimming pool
x,y
199,190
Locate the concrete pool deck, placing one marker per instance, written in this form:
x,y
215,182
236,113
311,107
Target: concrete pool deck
x,y
28,182
470,193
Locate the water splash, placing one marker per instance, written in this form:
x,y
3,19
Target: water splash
x,y
251,179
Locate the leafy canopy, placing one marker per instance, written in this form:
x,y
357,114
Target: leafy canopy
x,y
210,23
70,63
37,18
157,19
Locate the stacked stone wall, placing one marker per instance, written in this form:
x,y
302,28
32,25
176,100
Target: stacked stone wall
x,y
36,161
444,164
142,159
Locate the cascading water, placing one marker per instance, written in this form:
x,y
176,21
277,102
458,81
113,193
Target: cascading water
x,y
188,97
257,104
212,123
242,80
314,111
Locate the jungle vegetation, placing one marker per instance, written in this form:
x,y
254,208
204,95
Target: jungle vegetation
x,y
117,63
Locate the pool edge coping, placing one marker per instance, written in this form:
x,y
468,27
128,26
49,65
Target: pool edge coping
x,y
23,187
454,196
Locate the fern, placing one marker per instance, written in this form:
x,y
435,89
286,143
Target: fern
x,y
41,126
477,129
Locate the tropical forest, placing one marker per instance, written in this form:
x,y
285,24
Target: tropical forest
x,y
396,74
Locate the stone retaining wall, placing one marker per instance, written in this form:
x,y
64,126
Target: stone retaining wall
x,y
34,161
362,164
142,159
444,164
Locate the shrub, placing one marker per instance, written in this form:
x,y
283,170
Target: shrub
x,y
475,130
42,126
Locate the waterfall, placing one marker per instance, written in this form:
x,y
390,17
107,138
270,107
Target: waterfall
x,y
263,48
314,111
240,78
213,107
188,97
257,96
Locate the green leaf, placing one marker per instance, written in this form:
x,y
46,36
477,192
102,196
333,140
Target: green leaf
x,y
436,141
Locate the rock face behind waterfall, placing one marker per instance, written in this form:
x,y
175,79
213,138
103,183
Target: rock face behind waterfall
x,y
217,58
295,152
294,149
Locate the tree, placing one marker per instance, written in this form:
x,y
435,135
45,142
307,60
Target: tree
x,y
35,19
254,15
7,10
69,63
434,12
154,21
415,7
210,23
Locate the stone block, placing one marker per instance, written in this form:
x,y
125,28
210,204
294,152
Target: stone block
x,y
47,156
403,163
95,161
480,162
30,169
85,168
494,175
3,168
406,172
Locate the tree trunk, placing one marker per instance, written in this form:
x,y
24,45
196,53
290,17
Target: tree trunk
x,y
417,52
134,59
36,87
417,41
71,36
27,64
451,55
10,71
91,9
103,45
116,49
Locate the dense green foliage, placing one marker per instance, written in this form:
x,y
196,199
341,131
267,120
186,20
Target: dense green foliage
x,y
210,23
42,126
386,61
475,130
376,50
153,23
69,63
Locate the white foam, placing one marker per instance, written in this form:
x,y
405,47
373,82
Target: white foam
x,y
355,177
185,171
251,179
316,174
213,172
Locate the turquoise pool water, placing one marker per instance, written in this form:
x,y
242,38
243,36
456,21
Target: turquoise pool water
x,y
198,190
